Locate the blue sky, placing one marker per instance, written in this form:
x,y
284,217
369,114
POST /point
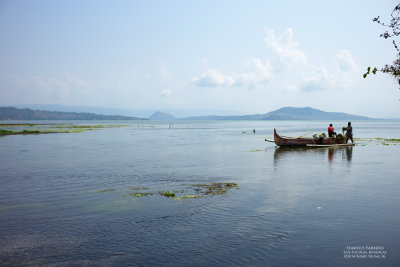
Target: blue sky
x,y
239,57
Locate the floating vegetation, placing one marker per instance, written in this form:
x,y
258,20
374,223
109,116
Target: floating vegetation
x,y
214,188
7,132
256,150
378,141
106,190
141,194
52,128
392,140
25,124
190,196
134,188
193,191
168,194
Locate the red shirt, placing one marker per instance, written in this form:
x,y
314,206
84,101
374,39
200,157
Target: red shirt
x,y
330,129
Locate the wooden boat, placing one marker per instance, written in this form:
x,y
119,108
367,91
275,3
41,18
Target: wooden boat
x,y
304,141
332,145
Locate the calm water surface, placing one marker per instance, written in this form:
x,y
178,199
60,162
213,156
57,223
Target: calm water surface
x,y
67,199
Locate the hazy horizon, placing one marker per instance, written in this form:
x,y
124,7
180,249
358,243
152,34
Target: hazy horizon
x,y
146,113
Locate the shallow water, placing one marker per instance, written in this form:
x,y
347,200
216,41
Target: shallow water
x,y
66,199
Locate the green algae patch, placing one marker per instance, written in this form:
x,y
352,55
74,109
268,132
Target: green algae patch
x,y
179,192
135,188
214,188
140,194
378,141
168,194
52,128
7,132
392,140
190,196
25,124
106,190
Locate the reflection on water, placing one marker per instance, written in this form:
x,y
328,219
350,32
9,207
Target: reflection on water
x,y
296,153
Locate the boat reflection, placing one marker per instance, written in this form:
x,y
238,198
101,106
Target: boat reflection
x,y
294,153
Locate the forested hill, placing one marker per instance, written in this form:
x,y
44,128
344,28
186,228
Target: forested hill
x,y
11,113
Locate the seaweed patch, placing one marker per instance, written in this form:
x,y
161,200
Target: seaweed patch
x,y
193,191
106,190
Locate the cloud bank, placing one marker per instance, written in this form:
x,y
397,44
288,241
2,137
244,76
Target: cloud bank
x,y
289,63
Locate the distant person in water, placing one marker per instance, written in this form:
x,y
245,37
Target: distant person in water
x,y
331,132
349,132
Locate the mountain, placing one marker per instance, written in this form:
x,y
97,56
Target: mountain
x,y
162,116
287,113
307,113
143,113
11,113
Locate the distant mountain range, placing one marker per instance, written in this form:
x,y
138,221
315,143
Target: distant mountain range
x,y
11,113
286,113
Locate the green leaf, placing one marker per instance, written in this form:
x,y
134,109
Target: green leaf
x,y
365,75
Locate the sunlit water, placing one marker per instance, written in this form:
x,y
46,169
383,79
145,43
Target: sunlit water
x,y
301,207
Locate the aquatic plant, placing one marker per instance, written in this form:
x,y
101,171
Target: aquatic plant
x,y
169,194
54,128
106,190
140,194
7,132
191,196
134,188
214,188
340,136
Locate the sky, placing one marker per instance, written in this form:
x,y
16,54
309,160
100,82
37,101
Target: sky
x,y
236,57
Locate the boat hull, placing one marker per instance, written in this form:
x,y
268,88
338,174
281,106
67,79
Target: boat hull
x,y
304,141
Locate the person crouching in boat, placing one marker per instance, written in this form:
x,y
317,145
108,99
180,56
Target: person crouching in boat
x,y
331,132
349,132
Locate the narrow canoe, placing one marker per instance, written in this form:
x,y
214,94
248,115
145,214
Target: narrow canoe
x,y
304,141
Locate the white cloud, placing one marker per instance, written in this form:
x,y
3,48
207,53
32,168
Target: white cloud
x,y
213,78
345,61
319,79
258,73
340,75
285,47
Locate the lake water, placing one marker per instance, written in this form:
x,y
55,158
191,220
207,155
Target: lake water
x,y
71,198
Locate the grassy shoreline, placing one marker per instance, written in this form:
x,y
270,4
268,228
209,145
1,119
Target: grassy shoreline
x,y
31,128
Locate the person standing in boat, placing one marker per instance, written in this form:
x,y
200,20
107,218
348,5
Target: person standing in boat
x,y
331,132
349,132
